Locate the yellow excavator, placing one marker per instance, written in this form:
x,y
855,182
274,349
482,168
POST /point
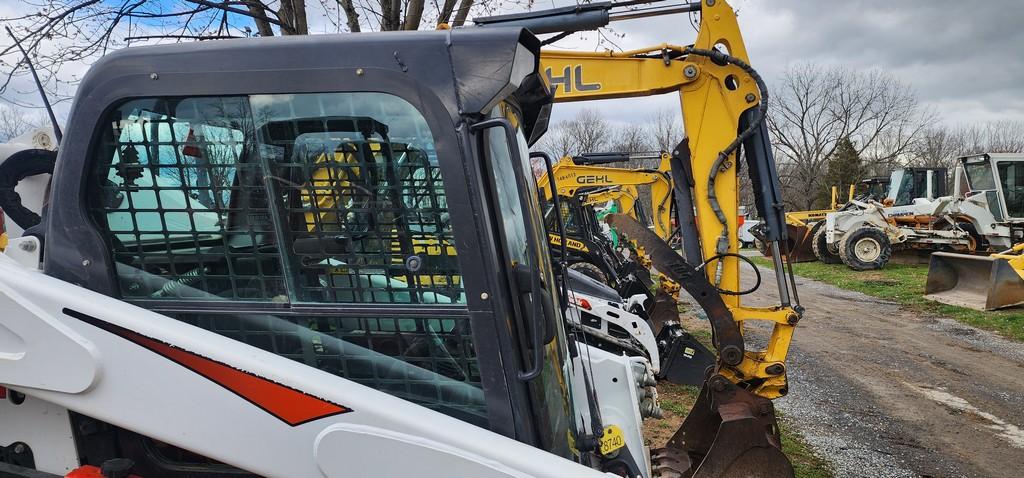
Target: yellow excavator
x,y
587,172
724,103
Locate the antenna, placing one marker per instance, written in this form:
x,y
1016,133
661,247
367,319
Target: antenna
x,y
39,85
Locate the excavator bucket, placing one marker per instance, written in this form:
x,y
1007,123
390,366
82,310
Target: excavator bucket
x,y
684,360
976,282
729,432
800,242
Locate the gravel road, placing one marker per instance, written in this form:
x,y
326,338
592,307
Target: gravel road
x,y
881,392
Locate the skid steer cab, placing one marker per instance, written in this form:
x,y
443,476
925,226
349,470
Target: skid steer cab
x,y
265,258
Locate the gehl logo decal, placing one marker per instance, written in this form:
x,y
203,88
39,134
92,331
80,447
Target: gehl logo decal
x,y
592,179
571,80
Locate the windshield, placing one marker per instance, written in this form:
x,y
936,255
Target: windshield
x,y
1011,179
979,175
549,392
901,187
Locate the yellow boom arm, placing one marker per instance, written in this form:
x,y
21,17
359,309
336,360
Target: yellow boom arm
x,y
713,96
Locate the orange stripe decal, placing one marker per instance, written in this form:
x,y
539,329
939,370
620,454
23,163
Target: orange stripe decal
x,y
291,406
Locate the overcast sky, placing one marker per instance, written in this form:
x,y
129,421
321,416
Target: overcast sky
x,y
963,58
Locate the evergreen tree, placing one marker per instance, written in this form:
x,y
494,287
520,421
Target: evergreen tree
x,y
845,167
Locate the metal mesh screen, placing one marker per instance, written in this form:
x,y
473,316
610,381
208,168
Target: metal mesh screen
x,y
277,200
203,202
427,361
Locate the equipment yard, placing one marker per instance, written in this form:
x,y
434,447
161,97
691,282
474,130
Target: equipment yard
x,y
883,389
494,239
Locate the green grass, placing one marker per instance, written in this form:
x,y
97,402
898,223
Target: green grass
x,y
678,399
904,284
805,463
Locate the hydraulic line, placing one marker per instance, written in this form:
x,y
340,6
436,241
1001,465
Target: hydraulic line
x,y
722,162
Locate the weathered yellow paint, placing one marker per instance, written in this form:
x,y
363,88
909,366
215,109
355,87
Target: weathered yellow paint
x,y
711,113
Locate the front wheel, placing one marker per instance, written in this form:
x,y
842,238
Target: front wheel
x,y
822,250
865,249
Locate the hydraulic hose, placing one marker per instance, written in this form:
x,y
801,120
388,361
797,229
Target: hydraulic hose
x,y
721,163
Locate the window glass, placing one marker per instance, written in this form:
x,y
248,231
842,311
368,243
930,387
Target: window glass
x,y
274,200
178,191
354,200
1011,178
980,176
550,395
426,361
363,198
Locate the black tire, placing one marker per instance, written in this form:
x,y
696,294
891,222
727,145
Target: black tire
x,y
590,270
865,249
20,165
822,251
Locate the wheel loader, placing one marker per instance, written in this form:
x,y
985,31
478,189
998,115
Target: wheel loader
x,y
994,186
238,269
916,215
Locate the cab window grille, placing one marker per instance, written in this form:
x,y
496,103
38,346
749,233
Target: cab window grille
x,y
426,361
322,198
248,206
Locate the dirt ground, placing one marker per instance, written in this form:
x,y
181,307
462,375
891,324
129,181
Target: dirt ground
x,y
880,392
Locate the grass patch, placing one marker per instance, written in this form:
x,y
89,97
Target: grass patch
x,y
904,284
676,401
805,463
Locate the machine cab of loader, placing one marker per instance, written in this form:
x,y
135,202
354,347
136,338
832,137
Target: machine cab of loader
x,y
1000,177
364,214
907,184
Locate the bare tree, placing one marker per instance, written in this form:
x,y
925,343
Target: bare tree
x,y
940,146
632,138
814,107
15,121
587,132
666,129
58,33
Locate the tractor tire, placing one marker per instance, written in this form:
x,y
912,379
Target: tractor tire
x,y
822,251
865,249
590,270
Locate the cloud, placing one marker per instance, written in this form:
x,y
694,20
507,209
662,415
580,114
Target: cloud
x,y
963,60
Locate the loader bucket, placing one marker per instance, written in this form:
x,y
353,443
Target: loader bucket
x,y
975,282
800,244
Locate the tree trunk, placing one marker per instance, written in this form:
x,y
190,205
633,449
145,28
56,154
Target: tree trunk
x,y
351,15
287,17
262,26
460,16
385,15
446,12
413,15
301,26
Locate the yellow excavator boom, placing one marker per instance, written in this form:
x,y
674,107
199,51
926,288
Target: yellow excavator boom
x,y
713,97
